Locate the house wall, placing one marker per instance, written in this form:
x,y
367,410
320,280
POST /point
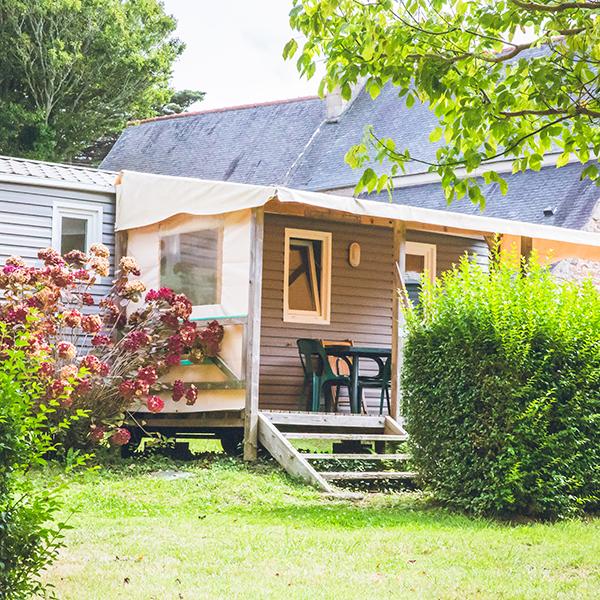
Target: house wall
x,y
26,219
361,299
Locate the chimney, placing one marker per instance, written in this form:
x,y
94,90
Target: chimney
x,y
336,105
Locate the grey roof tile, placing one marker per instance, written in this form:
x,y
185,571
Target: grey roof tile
x,y
71,174
570,199
323,166
250,144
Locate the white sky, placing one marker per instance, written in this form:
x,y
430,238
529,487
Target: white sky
x,y
234,50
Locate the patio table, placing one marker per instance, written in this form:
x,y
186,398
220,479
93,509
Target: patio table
x,y
354,354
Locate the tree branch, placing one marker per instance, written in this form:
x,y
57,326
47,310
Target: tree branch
x,y
555,8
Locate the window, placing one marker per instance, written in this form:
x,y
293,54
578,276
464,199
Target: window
x,y
75,226
307,276
420,258
190,264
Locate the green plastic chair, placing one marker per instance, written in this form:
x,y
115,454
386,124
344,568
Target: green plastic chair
x,y
320,376
382,380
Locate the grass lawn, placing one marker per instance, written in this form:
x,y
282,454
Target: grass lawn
x,y
232,531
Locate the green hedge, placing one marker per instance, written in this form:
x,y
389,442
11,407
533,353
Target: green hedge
x,y
502,391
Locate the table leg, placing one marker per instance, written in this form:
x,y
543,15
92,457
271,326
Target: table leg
x,y
355,400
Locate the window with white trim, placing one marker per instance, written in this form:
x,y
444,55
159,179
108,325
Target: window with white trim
x,y
75,226
307,276
191,264
420,259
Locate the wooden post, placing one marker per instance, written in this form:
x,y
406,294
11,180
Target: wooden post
x,y
252,346
398,321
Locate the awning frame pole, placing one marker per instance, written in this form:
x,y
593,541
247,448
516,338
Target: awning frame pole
x,y
252,346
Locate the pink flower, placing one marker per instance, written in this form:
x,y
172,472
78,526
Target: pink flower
x,y
127,389
175,344
98,341
72,318
97,433
152,296
173,360
148,374
178,390
191,395
87,299
100,265
58,388
170,320
166,294
18,314
135,340
120,437
155,404
8,269
82,275
188,333
94,365
84,386
76,257
68,372
100,250
181,306
128,264
51,257
16,261
66,350
46,369
91,323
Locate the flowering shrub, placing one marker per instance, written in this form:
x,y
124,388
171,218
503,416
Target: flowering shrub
x,y
115,349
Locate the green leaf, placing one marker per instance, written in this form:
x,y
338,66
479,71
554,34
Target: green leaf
x,y
563,159
290,49
436,134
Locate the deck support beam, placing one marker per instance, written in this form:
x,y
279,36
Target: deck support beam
x,y
398,319
252,337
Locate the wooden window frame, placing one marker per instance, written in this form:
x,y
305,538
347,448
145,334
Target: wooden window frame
x,y
322,315
77,210
429,254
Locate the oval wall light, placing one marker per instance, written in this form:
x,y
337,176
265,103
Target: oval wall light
x,y
354,254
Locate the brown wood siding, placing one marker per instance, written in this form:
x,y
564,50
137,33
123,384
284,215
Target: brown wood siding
x,y
361,300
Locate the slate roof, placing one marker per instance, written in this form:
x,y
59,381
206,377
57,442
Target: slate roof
x,y
550,196
54,172
323,166
255,144
291,143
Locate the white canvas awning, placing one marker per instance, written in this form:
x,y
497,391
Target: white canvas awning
x,y
145,199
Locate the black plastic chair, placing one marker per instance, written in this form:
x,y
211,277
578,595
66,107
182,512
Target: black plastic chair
x,y
382,380
318,374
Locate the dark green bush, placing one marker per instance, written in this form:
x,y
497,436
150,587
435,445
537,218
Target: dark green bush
x,y
502,391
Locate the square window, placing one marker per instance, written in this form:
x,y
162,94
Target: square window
x,y
73,234
190,264
307,276
75,226
420,259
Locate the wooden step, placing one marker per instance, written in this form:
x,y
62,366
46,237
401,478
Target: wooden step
x,y
322,419
357,456
366,475
357,437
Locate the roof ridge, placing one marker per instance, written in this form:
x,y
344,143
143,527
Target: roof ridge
x,y
56,164
224,109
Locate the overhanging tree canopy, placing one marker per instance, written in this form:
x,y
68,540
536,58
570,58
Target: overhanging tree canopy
x,y
506,78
